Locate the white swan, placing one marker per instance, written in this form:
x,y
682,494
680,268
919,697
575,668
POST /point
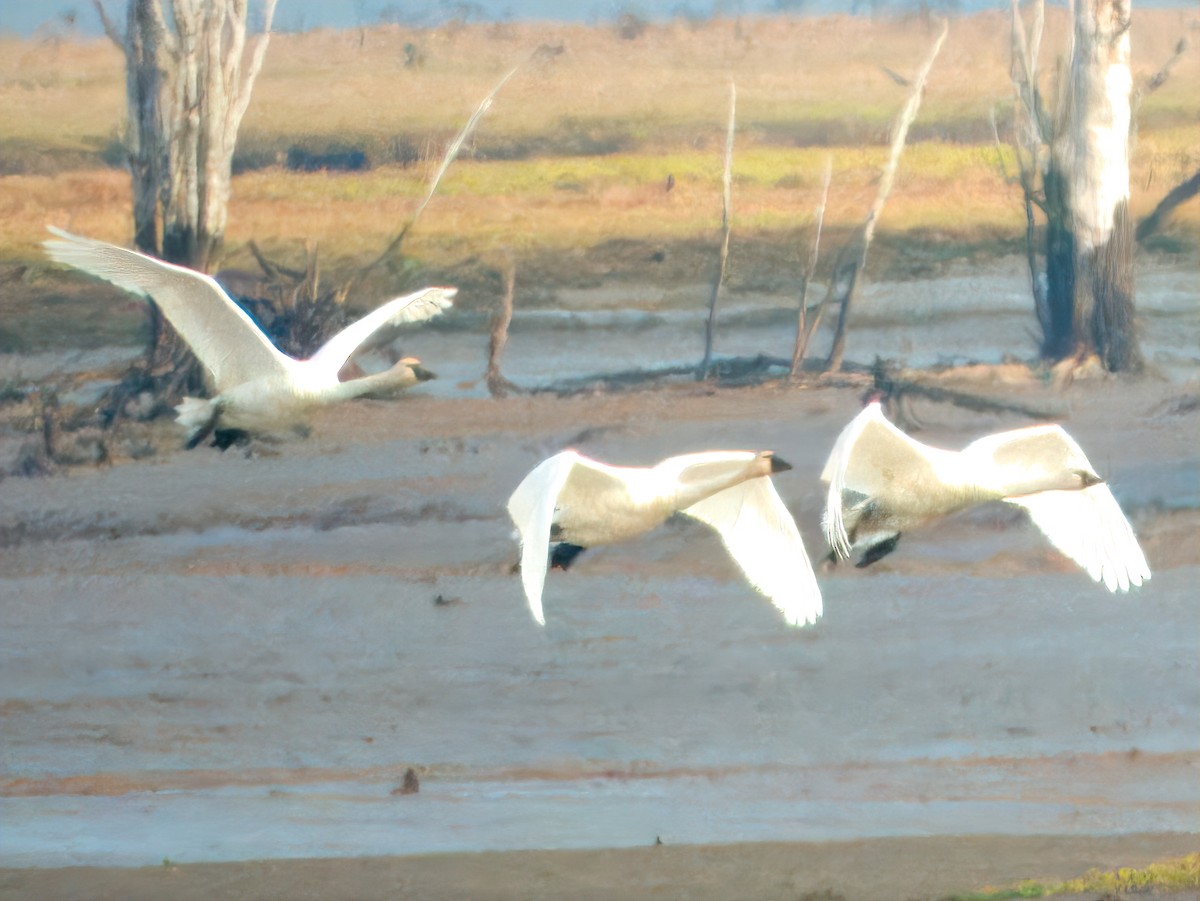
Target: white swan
x,y
895,483
258,387
577,503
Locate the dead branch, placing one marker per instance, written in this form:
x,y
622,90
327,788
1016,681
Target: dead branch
x,y
896,384
448,158
1179,194
110,27
726,201
271,269
1159,78
899,137
810,268
498,385
898,387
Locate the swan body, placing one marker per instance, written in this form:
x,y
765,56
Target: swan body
x,y
258,387
576,502
882,483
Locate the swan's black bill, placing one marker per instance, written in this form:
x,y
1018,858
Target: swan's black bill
x,y
778,465
422,374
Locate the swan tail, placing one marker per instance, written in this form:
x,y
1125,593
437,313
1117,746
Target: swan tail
x,y
198,416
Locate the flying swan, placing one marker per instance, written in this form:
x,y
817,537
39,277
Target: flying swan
x,y
258,387
882,482
574,503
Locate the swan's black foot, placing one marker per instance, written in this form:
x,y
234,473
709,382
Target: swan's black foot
x,y
227,438
878,551
563,555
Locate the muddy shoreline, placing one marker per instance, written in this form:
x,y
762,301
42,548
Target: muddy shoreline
x,y
874,870
236,657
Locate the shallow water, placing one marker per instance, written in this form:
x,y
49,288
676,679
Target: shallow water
x,y
208,657
955,320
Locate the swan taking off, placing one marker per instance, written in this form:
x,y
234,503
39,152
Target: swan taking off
x,y
258,387
882,482
574,503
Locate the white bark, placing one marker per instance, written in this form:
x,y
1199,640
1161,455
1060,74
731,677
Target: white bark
x,y
1095,149
203,74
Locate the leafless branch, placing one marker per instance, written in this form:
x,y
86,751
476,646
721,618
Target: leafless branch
x,y
1181,193
726,204
447,159
1159,78
110,27
899,137
238,108
803,333
498,385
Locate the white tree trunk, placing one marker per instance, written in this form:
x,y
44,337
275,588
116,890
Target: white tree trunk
x,y
1103,231
1074,163
188,87
1095,149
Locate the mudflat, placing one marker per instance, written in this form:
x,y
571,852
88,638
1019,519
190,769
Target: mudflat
x,y
218,669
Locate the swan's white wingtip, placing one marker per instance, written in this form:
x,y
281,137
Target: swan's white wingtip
x,y
804,613
535,610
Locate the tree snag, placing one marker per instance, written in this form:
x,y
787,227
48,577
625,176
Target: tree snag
x,y
853,256
1075,168
723,256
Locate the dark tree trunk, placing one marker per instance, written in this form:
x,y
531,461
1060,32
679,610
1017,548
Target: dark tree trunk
x,y
1104,277
1056,310
147,154
1084,298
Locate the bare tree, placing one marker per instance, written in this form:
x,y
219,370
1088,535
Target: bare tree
x,y
188,82
1074,161
188,78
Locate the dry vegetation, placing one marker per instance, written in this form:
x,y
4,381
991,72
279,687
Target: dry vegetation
x,y
568,171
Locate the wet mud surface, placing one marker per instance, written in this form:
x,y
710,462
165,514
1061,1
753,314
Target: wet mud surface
x,y
216,657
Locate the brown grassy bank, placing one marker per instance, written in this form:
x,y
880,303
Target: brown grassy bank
x,y
569,169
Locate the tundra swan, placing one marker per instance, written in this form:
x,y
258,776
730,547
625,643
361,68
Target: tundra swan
x,y
258,387
575,503
882,482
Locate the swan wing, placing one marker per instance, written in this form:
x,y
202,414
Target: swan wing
x,y
1031,459
220,333
1088,526
532,508
871,457
761,536
379,326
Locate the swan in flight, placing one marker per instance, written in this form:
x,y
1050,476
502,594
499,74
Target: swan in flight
x,y
882,482
574,503
258,387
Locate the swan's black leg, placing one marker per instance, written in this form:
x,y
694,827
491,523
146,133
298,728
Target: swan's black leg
x,y
563,555
209,428
227,438
878,551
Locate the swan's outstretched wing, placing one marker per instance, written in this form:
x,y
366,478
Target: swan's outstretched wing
x,y
871,457
762,538
378,327
1023,461
223,337
1088,526
532,510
